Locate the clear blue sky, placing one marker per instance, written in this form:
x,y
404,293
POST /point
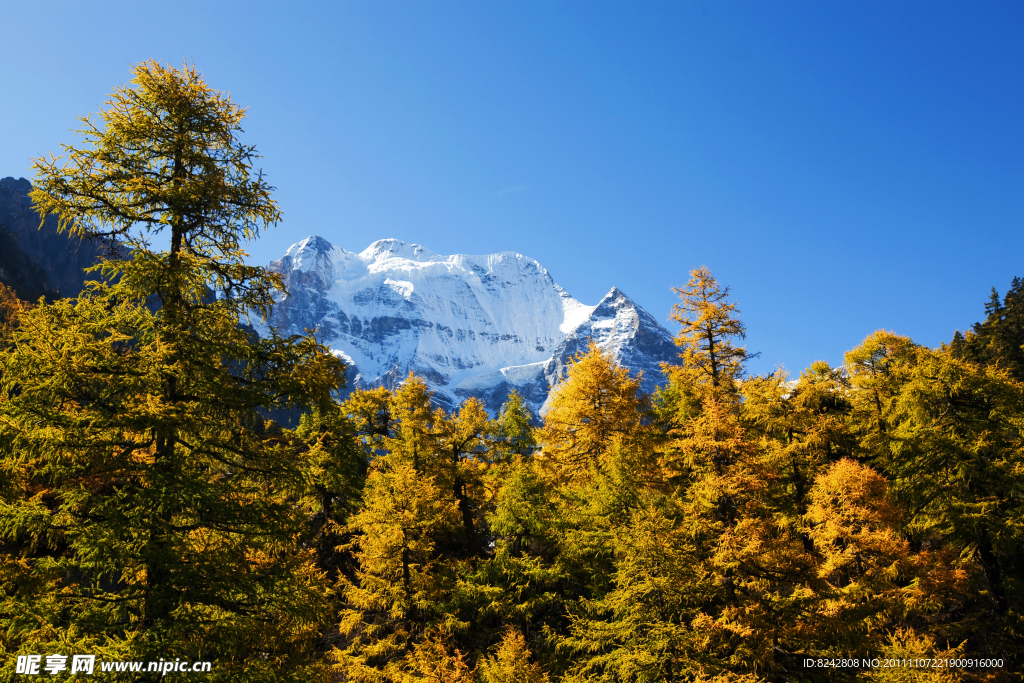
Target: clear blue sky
x,y
844,166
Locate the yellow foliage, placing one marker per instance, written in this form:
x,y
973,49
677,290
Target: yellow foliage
x,y
596,406
709,326
431,662
511,663
11,308
400,579
864,560
412,439
853,522
903,650
402,516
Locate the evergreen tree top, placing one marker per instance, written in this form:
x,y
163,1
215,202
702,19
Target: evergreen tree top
x,y
163,156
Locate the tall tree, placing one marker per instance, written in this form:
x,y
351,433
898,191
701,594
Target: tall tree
x,y
157,512
641,629
598,404
555,512
999,339
462,440
402,588
710,329
515,436
803,425
945,432
420,525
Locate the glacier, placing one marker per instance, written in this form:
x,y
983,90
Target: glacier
x,y
469,325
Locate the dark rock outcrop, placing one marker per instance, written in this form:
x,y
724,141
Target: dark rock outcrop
x,y
37,260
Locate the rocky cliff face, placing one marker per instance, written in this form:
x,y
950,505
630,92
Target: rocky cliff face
x,y
33,260
470,325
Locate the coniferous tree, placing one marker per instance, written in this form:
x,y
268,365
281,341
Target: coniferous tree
x,y
519,586
421,523
553,512
596,405
721,532
155,514
337,468
462,440
878,368
514,433
402,587
11,307
864,561
641,629
999,339
945,433
710,328
804,425
432,661
372,414
744,455
595,443
511,663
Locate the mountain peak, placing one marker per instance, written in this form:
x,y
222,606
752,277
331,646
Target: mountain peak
x,y
18,185
392,248
469,325
309,259
314,242
615,294
613,303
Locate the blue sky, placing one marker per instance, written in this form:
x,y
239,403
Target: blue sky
x,y
843,166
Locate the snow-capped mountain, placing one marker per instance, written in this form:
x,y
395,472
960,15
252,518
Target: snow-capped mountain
x,y
469,325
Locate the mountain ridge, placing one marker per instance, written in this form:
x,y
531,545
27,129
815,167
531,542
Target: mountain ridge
x,y
38,259
470,325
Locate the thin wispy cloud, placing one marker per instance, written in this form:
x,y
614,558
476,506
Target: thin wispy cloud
x,y
511,190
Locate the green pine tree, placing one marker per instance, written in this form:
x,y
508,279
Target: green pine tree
x,y
514,433
999,339
152,513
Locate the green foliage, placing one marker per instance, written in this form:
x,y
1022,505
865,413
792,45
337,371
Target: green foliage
x,y
515,436
948,436
739,527
998,340
163,156
641,629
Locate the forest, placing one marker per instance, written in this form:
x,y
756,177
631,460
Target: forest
x,y
853,523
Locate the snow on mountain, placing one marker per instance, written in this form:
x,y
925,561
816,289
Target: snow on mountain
x,y
469,325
